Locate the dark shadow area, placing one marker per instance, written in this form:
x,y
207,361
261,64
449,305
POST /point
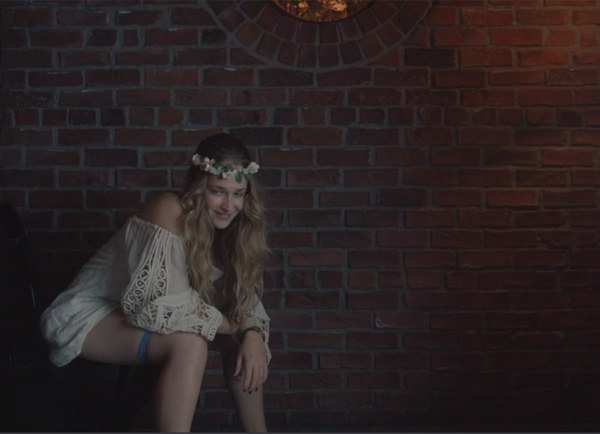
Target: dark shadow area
x,y
36,395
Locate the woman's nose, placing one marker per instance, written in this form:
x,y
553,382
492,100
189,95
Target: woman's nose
x,y
226,203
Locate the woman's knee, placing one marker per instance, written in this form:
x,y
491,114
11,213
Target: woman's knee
x,y
180,346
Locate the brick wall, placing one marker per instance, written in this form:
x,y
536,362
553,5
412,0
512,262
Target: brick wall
x,y
431,172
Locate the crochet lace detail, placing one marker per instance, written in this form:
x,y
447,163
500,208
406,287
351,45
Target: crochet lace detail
x,y
139,302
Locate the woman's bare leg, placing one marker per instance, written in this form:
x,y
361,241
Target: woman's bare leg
x,y
182,356
249,406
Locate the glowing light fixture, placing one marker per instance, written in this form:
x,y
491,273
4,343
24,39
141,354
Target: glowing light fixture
x,y
322,10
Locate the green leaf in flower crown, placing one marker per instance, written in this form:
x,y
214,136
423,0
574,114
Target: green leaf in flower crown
x,y
238,176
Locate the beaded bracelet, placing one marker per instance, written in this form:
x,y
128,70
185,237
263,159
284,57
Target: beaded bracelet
x,y
253,329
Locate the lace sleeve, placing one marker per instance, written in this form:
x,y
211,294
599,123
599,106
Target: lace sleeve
x,y
158,297
257,317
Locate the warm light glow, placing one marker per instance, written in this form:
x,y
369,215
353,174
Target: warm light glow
x,y
322,10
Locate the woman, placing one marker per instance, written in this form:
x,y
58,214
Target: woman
x,y
181,270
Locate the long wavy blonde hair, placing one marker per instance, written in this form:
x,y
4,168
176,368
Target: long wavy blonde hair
x,y
240,250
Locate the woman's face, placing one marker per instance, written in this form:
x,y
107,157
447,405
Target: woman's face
x,y
224,199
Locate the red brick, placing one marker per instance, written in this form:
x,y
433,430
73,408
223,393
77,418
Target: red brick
x,y
171,77
318,340
542,178
432,218
485,177
372,218
56,37
471,57
568,157
586,137
315,218
484,258
368,177
344,199
95,219
55,78
459,78
523,36
313,136
113,199
514,77
342,319
457,197
146,57
171,37
373,258
350,157
170,116
586,17
321,177
513,198
27,58
430,136
430,176
56,199
462,37
487,17
367,340
484,136
118,77
88,136
142,178
29,17
539,218
82,17
456,239
322,258
562,38
547,96
457,321
570,198
81,178
456,157
401,238
543,17
372,299
431,97
428,340
440,57
401,319
540,258
140,137
495,239
313,299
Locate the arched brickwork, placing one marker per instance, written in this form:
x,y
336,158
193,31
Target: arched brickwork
x,y
273,35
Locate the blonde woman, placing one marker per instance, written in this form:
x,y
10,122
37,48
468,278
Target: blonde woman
x,y
183,269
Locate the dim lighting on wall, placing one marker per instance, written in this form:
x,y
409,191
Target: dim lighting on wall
x,y
322,10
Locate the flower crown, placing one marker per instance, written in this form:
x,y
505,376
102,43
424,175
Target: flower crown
x,y
225,171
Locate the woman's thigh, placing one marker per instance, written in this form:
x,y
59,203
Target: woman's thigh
x,y
113,340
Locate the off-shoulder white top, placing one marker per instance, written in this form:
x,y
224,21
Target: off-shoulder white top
x,y
143,270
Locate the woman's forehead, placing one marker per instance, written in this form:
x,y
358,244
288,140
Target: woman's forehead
x,y
229,184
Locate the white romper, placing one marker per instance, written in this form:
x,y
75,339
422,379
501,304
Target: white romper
x,y
141,269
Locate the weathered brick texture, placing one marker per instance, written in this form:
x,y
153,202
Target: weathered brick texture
x,y
432,183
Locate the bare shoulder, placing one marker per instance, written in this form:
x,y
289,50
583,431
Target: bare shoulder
x,y
164,210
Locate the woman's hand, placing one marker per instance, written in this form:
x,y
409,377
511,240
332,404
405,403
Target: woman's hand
x,y
251,362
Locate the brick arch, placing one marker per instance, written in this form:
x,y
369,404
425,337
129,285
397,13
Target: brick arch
x,y
273,35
